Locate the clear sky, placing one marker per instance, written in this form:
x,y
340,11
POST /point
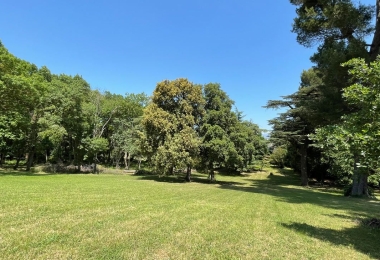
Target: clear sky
x,y
128,46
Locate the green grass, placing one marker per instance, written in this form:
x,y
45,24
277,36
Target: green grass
x,y
116,216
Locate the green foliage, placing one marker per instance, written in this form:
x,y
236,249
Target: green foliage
x,y
227,140
278,157
357,135
374,179
327,20
171,122
59,119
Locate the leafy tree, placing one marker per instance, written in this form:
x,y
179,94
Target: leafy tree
x,y
340,28
227,140
217,147
126,128
278,156
357,135
63,121
171,122
21,89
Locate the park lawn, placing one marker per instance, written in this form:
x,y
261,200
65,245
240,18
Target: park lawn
x,y
120,216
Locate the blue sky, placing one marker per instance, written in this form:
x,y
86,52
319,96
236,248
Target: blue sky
x,y
128,46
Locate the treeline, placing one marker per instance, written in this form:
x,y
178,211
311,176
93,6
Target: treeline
x,y
331,126
59,119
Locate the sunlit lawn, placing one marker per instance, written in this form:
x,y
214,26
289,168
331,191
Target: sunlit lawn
x,y
143,217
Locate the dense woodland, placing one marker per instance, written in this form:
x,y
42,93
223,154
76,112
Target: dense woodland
x,y
329,128
60,120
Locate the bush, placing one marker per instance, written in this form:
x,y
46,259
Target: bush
x,y
374,180
278,157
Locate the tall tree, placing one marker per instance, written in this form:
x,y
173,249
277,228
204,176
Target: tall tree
x,y
358,133
63,121
217,147
339,27
171,123
21,90
294,125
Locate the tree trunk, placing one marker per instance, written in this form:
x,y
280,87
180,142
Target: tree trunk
x,y
94,168
304,176
29,163
375,46
188,174
139,163
211,176
355,178
116,160
359,182
32,141
17,162
126,160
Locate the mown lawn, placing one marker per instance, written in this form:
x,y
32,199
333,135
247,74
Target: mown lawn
x,y
106,216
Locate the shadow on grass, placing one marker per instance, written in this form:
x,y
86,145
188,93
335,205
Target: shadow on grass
x,y
9,171
286,188
361,238
24,173
197,178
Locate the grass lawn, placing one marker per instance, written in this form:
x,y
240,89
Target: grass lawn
x,y
111,216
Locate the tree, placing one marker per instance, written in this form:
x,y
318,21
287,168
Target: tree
x,y
329,21
278,156
358,133
63,118
339,28
227,140
293,126
127,127
21,89
171,122
217,125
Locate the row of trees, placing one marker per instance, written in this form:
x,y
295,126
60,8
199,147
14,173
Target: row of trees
x,y
330,123
187,125
60,119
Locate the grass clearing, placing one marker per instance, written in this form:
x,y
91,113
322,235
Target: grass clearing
x,y
113,216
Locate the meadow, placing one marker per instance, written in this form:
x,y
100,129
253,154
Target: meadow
x,y
124,216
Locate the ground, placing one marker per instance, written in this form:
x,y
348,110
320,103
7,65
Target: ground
x,y
123,216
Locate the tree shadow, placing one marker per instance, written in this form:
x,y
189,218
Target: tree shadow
x,y
180,178
361,238
9,171
285,188
24,173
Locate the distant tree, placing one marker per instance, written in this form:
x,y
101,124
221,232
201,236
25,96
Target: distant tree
x,y
227,140
293,126
278,156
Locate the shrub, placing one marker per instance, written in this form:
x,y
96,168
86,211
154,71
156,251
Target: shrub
x,y
278,157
